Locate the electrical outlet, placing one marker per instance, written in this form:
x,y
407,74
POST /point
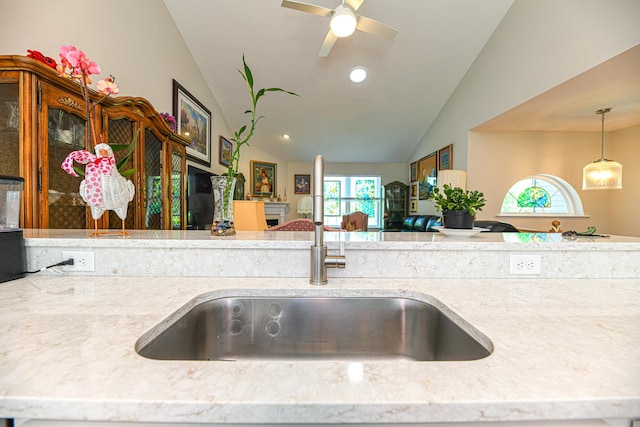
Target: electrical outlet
x,y
524,264
82,260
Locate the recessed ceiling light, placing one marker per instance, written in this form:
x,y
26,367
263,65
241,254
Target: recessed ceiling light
x,y
286,136
357,75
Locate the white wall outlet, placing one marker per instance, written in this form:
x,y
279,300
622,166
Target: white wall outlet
x,y
524,264
82,260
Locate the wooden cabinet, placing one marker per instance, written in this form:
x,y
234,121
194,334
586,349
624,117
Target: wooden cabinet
x,y
395,204
42,120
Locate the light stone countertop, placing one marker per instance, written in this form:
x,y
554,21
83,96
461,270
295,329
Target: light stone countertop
x,y
566,341
564,349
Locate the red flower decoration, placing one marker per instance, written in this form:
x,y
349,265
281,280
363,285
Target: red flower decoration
x,y
44,59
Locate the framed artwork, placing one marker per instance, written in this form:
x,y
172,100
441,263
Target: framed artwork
x,y
414,190
263,178
225,150
302,184
413,172
428,174
413,207
194,123
444,158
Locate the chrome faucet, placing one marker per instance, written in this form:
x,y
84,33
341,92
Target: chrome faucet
x,y
319,258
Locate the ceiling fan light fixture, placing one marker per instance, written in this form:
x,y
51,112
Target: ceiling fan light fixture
x,y
602,174
343,22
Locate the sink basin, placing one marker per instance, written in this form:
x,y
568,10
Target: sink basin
x,y
313,328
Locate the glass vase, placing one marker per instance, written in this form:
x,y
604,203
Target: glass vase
x,y
223,189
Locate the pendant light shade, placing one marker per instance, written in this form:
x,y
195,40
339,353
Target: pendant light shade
x,y
602,174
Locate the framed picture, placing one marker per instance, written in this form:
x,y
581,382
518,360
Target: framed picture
x,y
413,172
428,174
225,150
444,158
194,123
302,184
263,178
413,207
414,190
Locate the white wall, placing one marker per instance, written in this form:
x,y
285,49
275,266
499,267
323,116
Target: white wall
x,y
623,146
502,158
136,41
538,45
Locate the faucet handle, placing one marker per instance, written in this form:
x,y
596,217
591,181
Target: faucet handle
x,y
336,261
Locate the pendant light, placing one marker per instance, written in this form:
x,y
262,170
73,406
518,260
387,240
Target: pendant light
x,y
602,174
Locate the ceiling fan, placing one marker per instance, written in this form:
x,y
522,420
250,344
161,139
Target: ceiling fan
x,y
344,21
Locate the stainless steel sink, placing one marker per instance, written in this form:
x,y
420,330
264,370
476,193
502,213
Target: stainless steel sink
x,y
307,328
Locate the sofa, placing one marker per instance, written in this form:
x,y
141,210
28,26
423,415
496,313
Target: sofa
x,y
427,222
496,226
418,223
299,224
421,222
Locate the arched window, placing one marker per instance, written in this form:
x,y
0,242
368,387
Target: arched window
x,y
542,195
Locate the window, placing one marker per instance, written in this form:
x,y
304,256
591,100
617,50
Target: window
x,y
346,194
541,195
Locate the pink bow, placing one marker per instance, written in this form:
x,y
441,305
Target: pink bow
x,y
96,166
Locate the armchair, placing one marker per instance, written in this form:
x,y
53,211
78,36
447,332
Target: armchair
x,y
356,221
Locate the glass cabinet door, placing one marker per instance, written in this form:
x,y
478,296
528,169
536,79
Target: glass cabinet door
x,y
177,190
152,186
65,132
9,129
120,132
395,204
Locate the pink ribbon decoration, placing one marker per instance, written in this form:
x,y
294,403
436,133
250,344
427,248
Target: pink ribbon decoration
x,y
95,167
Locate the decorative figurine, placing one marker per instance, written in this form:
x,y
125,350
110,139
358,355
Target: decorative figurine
x,y
555,227
103,187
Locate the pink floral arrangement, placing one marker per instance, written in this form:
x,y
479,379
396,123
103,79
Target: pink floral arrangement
x,y
171,121
76,65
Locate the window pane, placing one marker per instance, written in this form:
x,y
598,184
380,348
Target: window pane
x,y
347,194
538,195
331,198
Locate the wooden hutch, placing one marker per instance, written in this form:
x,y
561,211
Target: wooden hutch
x,y
42,120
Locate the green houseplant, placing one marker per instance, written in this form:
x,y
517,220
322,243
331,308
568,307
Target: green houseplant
x,y
223,186
459,207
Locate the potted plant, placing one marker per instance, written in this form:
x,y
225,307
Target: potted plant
x,y
459,207
223,186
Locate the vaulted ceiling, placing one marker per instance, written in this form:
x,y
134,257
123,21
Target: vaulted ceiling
x,y
383,119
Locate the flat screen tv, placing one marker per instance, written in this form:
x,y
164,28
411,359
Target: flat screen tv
x,y
199,199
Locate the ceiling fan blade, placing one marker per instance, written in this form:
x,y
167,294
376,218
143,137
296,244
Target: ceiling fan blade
x,y
328,43
354,4
306,7
374,27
